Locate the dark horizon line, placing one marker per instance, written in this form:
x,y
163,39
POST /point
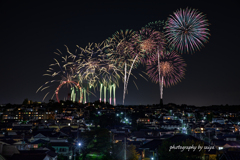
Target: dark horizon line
x,y
189,105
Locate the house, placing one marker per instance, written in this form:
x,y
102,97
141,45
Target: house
x,y
7,150
34,155
168,117
230,155
226,137
143,120
170,125
82,127
63,148
221,144
120,130
36,144
218,120
39,136
226,132
162,131
118,137
149,149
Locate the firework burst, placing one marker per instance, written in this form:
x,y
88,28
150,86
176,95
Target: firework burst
x,y
62,72
172,68
157,25
146,42
91,61
121,53
120,50
186,30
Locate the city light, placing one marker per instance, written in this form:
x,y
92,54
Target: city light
x,y
74,119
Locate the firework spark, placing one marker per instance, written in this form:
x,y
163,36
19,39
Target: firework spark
x,y
122,53
61,71
186,30
146,42
172,69
157,25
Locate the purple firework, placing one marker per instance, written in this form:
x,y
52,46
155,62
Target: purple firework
x,y
186,30
146,42
172,68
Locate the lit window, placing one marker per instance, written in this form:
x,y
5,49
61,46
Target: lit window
x,y
220,148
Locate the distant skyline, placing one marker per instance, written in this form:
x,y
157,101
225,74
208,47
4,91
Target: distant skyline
x,y
30,34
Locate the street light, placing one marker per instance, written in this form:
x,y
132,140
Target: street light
x,y
77,148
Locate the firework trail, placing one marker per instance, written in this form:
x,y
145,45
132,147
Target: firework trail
x,y
146,43
60,72
121,53
186,30
172,69
110,75
91,62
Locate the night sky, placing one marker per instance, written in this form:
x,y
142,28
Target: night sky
x,y
31,32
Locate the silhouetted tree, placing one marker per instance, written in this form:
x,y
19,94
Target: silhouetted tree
x,y
25,101
97,140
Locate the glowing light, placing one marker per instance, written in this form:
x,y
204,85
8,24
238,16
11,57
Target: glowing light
x,y
186,30
171,67
121,50
61,86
